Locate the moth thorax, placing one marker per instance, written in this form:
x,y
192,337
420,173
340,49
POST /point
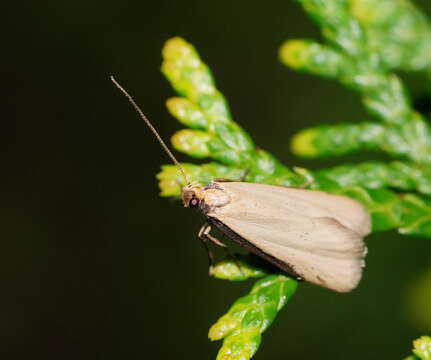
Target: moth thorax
x,y
214,198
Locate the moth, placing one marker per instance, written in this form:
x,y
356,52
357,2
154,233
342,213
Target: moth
x,y
309,234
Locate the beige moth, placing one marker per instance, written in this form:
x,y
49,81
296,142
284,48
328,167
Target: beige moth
x,y
309,234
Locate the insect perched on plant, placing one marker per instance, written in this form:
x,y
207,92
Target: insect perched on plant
x,y
309,234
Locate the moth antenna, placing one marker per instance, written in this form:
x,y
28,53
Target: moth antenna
x,y
152,128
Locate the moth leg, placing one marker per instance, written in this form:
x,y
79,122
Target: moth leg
x,y
209,253
234,258
204,241
224,246
204,235
205,231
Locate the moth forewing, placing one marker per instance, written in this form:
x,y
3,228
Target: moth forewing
x,y
309,203
314,235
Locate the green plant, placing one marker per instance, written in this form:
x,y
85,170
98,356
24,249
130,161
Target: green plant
x,y
366,41
421,349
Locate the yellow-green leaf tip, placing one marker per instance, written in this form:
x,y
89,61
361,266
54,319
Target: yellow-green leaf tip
x,y
241,345
422,347
170,181
225,325
192,142
176,48
293,53
226,270
235,270
186,112
177,107
302,144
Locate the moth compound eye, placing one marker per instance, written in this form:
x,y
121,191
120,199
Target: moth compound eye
x,y
194,203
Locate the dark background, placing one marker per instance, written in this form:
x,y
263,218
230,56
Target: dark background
x,y
93,263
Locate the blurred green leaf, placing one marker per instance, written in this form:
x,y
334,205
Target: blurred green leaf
x,y
238,268
421,349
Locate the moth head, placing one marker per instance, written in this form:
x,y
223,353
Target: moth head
x,y
192,195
